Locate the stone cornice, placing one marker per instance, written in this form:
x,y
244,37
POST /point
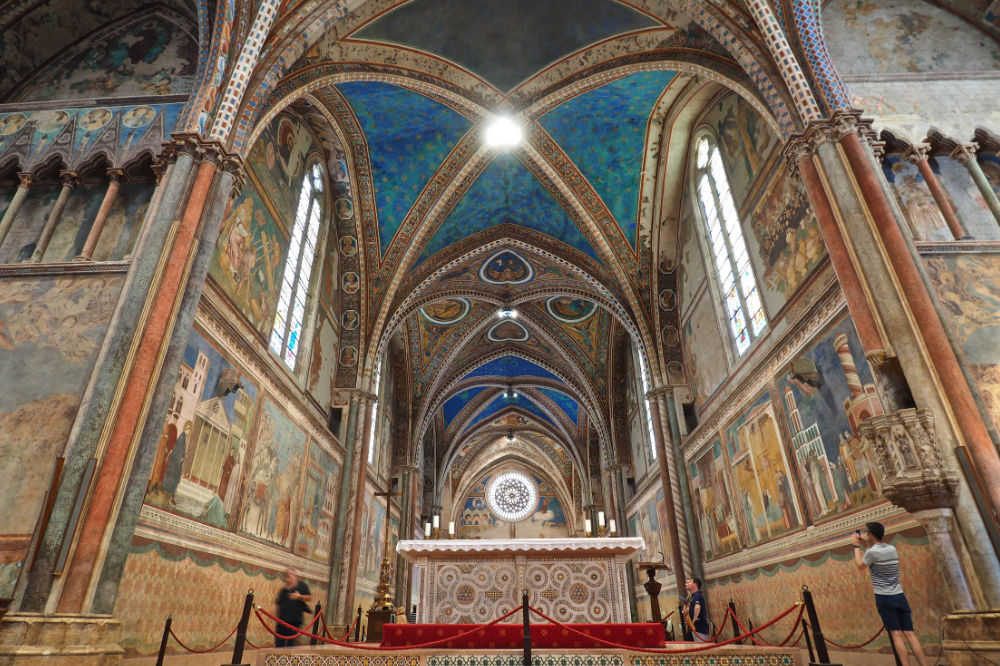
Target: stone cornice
x,y
819,132
64,268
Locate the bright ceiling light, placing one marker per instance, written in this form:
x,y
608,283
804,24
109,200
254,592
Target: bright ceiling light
x,y
503,133
506,312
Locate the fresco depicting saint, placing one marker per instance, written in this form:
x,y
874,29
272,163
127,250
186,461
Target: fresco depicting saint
x,y
248,256
203,446
758,467
271,500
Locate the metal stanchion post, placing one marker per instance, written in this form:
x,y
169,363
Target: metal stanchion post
x,y
736,628
685,629
241,630
357,627
809,643
525,619
316,628
163,641
822,656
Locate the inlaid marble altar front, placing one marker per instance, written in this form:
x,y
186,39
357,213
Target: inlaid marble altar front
x,y
476,581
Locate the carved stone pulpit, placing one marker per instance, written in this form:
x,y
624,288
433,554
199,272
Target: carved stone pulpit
x,y
915,477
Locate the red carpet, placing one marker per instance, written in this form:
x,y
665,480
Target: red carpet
x,y
511,636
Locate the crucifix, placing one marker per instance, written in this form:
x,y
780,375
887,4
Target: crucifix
x,y
383,609
383,598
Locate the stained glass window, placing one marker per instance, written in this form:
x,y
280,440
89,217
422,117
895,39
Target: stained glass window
x,y
512,496
291,310
740,295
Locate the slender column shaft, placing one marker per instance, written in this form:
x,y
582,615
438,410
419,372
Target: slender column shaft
x,y
99,403
94,236
55,215
358,483
966,155
937,524
918,155
668,497
15,205
855,291
669,401
336,613
680,525
142,376
940,351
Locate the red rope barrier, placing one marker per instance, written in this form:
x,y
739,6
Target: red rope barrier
x,y
211,649
699,648
851,647
365,646
256,647
713,639
764,643
758,642
349,629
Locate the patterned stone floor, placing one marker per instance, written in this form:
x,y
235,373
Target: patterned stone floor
x,y
736,656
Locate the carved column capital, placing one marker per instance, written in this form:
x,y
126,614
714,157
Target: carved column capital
x,y
964,152
116,174
828,130
25,178
905,448
199,148
234,165
917,152
69,178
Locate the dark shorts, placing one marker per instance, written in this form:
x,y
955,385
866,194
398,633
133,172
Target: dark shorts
x,y
894,611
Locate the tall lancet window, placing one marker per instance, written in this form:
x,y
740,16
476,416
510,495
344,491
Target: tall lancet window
x,y
287,332
740,295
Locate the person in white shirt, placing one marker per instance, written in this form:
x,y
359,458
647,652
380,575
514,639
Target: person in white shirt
x,y
883,562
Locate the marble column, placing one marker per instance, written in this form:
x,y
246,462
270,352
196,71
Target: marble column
x,y
337,539
889,275
14,207
965,153
124,406
406,475
676,554
675,472
352,547
670,406
918,154
94,236
69,181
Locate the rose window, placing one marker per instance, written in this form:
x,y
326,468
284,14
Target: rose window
x,y
512,496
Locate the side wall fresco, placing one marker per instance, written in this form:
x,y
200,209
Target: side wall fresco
x,y
899,36
151,56
967,285
882,49
792,455
51,329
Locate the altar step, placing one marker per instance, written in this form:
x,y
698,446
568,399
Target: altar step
x,y
335,656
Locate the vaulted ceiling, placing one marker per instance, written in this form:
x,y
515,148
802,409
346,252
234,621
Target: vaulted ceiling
x,y
506,273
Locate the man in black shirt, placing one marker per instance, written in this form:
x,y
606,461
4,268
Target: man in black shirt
x,y
293,603
697,608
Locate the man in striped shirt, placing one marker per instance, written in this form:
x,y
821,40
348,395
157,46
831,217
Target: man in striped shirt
x,y
883,562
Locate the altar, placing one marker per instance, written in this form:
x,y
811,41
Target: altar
x,y
478,580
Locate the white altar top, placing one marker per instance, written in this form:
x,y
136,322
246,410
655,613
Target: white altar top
x,y
478,580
